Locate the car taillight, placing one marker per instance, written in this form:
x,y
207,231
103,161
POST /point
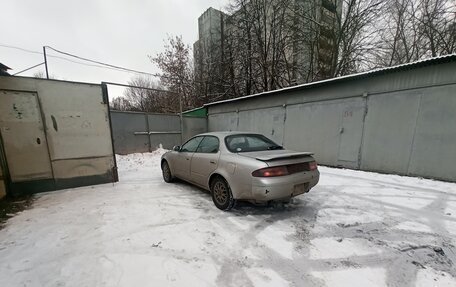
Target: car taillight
x,y
271,171
313,165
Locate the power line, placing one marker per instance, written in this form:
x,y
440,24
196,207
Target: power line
x,y
138,87
57,57
114,66
28,69
22,49
85,64
104,64
99,64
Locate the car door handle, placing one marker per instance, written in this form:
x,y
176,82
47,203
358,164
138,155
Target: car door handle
x,y
187,158
213,162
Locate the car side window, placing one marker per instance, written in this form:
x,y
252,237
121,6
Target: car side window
x,y
191,145
209,145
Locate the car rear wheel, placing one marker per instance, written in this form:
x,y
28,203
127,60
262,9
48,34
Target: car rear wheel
x,y
221,194
166,172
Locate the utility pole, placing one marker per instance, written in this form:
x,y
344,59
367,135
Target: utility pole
x,y
45,62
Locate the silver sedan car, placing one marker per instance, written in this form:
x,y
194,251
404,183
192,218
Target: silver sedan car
x,y
241,166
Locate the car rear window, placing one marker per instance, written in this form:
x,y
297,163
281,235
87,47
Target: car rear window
x,y
249,142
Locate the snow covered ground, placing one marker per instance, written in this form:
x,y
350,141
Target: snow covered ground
x,y
353,229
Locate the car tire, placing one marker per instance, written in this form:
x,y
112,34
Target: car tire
x,y
166,172
221,194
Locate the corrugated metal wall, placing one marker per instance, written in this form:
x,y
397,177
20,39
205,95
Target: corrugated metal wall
x,y
402,122
55,134
412,132
142,132
193,126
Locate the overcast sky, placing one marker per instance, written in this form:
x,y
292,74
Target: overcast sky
x,y
120,32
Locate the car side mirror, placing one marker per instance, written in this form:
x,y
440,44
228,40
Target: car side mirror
x,y
176,148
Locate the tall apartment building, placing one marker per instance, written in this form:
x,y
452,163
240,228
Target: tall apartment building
x,y
251,51
208,50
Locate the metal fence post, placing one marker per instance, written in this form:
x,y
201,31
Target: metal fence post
x,y
148,132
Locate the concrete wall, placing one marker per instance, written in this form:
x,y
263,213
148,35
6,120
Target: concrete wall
x,y
2,175
55,134
400,122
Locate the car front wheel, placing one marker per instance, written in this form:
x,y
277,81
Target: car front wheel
x,y
221,194
166,172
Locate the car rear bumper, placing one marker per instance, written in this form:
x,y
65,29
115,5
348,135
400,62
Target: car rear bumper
x,y
283,187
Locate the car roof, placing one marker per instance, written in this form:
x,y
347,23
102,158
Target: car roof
x,y
226,133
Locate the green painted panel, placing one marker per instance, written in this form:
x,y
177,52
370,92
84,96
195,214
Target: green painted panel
x,y
197,113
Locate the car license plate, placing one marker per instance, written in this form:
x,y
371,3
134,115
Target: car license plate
x,y
300,189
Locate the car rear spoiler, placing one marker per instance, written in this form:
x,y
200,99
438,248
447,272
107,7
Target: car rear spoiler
x,y
283,156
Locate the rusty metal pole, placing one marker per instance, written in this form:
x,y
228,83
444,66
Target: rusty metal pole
x,y
45,62
181,91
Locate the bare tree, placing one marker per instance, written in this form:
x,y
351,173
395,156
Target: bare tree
x,y
437,21
177,73
402,38
42,75
261,46
279,43
355,36
417,29
142,99
239,49
121,104
269,44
